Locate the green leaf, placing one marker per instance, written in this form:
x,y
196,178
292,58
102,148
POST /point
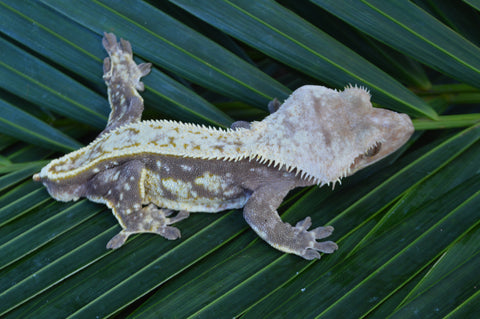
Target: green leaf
x,y
407,227
183,50
82,54
21,125
457,15
447,121
359,274
402,68
272,29
33,80
19,172
408,29
452,277
473,3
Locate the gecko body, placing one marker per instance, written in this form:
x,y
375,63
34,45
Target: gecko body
x,y
145,170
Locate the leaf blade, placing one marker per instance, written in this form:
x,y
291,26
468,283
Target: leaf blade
x,y
396,24
21,125
181,50
279,33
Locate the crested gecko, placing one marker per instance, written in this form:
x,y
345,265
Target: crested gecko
x,y
145,170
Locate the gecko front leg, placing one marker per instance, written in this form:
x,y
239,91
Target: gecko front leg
x,y
260,213
149,219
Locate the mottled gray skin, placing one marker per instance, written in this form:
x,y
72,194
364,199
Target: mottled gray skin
x,y
142,189
259,188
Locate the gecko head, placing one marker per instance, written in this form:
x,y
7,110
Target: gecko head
x,y
376,132
328,134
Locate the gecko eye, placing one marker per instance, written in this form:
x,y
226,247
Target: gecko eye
x,y
372,151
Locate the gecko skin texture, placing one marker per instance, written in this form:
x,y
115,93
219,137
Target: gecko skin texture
x,y
146,170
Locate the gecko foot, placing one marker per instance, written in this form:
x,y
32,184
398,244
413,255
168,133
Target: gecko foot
x,y
119,67
274,105
310,248
240,124
122,76
149,219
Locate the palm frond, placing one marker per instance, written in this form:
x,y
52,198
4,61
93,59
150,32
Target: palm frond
x,y
408,228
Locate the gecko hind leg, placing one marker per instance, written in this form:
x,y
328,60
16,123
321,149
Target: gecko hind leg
x,y
122,76
274,105
149,219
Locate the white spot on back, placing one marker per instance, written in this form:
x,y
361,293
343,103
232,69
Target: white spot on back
x,y
186,168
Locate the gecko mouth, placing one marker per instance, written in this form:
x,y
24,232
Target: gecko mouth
x,y
373,150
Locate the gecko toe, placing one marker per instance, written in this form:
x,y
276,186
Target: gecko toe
x,y
126,46
162,212
311,254
181,215
109,40
326,247
118,240
107,65
170,233
144,68
322,232
304,224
